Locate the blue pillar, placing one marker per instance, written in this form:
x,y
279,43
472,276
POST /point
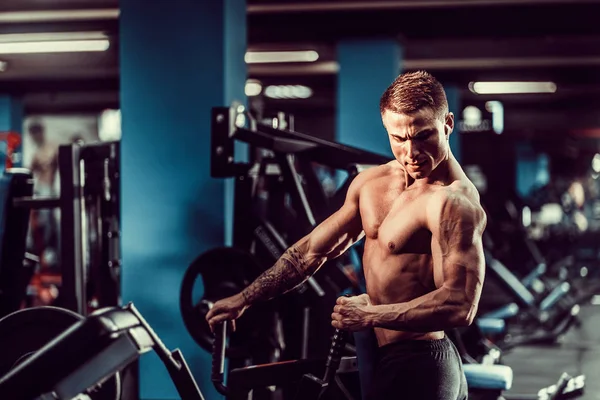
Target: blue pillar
x,y
11,120
367,68
176,63
453,96
532,169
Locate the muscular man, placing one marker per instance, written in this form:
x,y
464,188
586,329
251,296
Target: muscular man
x,y
44,167
423,259
44,164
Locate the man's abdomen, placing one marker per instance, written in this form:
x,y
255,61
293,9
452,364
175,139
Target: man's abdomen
x,y
397,278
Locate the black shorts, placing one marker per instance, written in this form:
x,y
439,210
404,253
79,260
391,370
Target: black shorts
x,y
418,370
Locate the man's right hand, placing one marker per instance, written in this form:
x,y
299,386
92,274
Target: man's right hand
x,y
227,309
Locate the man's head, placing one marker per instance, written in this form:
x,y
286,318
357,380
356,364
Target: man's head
x,y
36,131
414,110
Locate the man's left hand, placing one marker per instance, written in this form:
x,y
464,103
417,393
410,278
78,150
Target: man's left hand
x,y
352,313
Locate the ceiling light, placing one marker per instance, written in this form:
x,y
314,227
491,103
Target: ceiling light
x,y
512,87
65,46
51,36
254,57
109,125
58,15
253,87
596,163
288,92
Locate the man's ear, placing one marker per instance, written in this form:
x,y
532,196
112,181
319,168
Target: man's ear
x,y
449,124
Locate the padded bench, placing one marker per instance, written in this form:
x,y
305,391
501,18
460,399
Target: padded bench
x,y
491,326
488,377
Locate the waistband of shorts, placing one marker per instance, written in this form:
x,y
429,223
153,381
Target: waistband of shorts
x,y
417,345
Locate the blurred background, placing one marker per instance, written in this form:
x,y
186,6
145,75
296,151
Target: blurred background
x,y
522,77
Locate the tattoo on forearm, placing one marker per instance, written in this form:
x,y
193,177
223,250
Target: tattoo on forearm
x,y
288,272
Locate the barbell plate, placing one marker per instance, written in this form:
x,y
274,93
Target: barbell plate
x,y
223,272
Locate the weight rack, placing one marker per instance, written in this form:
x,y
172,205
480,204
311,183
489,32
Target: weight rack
x,y
89,178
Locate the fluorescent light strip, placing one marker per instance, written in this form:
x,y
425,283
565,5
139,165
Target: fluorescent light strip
x,y
58,15
254,57
512,87
50,36
288,92
66,46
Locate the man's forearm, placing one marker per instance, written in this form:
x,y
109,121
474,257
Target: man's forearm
x,y
291,270
436,311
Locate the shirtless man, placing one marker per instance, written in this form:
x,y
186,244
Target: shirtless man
x,y
44,167
423,259
44,164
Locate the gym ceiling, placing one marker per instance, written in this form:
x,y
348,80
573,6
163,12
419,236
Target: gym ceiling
x,y
460,41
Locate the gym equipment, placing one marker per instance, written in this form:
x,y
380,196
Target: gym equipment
x,y
278,199
89,193
489,380
90,351
530,322
485,381
15,272
223,272
25,332
312,387
300,373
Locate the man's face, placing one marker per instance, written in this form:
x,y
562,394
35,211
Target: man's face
x,y
37,134
419,140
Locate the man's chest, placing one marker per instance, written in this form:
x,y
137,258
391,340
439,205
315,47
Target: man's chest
x,y
398,221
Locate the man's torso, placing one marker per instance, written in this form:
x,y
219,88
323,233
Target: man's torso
x,y
397,259
44,165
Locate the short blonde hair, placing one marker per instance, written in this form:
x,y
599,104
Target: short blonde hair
x,y
412,91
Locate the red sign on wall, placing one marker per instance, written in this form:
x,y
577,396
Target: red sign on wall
x,y
13,140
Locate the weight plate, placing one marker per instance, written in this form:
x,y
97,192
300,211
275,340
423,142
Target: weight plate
x,y
224,272
24,332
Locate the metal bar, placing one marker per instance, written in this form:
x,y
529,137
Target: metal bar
x,y
510,62
279,8
332,67
305,332
72,265
37,203
509,280
298,194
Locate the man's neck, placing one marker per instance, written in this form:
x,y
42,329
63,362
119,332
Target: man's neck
x,y
441,176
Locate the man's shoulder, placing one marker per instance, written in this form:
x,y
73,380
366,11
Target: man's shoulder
x,y
458,201
371,174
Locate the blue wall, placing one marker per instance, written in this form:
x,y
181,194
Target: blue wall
x,y
367,68
176,63
453,96
532,169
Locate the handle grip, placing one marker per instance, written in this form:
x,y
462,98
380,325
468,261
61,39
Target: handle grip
x,y
335,354
218,358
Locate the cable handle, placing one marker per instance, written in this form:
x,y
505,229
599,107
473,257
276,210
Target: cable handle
x,y
218,358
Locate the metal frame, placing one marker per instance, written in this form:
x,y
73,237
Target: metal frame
x,y
88,174
287,157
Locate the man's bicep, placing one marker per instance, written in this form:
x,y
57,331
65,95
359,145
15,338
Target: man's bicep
x,y
458,236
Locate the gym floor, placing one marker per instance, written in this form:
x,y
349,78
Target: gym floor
x,y
535,367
